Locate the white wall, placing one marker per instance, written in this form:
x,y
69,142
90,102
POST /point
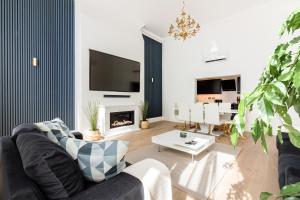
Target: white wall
x,y
113,36
248,37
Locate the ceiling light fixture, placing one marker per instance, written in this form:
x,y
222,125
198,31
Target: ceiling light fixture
x,y
186,26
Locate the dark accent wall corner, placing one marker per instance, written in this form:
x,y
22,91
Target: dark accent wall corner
x,y
43,29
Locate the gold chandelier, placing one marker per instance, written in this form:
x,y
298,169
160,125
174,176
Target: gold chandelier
x,y
186,26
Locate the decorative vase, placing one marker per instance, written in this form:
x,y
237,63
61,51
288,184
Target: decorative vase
x,y
93,135
183,134
145,124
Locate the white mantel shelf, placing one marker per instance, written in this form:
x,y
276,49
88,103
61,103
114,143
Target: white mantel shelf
x,y
104,119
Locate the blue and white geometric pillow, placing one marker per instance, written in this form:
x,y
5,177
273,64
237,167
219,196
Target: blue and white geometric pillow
x,y
102,160
55,129
72,145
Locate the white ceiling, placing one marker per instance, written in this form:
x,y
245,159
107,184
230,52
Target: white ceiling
x,y
157,15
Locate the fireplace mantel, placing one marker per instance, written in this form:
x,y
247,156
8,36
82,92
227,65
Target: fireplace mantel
x,y
104,119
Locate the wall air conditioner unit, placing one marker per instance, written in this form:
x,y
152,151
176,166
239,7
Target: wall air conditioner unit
x,y
214,54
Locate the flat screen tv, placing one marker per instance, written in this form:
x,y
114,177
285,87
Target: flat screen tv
x,y
229,85
209,86
112,73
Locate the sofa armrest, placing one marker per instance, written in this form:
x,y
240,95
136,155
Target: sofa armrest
x,y
292,175
155,177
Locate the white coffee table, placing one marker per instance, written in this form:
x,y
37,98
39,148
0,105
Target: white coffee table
x,y
173,140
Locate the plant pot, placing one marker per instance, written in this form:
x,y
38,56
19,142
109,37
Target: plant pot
x,y
93,135
144,124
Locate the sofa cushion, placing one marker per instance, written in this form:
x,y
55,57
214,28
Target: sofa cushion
x,y
55,129
50,166
23,129
102,160
15,184
121,187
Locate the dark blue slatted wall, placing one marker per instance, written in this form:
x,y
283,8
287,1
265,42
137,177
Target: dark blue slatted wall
x,y
42,29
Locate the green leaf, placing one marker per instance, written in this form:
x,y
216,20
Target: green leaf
x,y
234,137
256,130
92,111
292,198
242,108
279,134
281,49
273,97
297,108
294,135
282,111
286,60
291,98
290,190
239,121
265,195
264,143
292,23
280,88
296,78
269,130
283,29
286,75
253,97
287,118
266,110
145,109
295,103
295,40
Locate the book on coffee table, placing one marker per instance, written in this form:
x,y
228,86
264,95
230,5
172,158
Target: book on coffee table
x,y
195,143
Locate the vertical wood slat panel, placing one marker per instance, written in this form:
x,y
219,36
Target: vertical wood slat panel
x,y
42,29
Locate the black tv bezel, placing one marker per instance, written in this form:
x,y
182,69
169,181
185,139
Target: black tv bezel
x,y
229,90
210,93
115,57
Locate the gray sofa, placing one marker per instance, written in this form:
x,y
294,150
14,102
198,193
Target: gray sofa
x,y
16,185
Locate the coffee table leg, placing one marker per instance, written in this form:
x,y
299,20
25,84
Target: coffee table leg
x,y
192,158
158,148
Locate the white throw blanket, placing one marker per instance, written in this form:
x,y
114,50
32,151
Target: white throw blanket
x,y
155,177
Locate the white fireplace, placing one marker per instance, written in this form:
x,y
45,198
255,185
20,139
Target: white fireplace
x,y
118,119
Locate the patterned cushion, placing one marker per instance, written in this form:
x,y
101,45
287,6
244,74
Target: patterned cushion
x,y
102,160
55,129
72,145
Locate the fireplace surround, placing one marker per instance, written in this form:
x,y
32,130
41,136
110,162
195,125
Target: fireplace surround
x,y
118,119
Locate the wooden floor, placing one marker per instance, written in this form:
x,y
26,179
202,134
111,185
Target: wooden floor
x,y
252,173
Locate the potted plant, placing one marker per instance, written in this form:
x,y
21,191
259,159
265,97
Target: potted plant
x,y
145,122
92,112
277,92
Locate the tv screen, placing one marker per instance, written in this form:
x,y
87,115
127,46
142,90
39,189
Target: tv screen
x,y
112,73
228,85
209,86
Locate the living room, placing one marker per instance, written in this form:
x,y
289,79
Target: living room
x,y
161,100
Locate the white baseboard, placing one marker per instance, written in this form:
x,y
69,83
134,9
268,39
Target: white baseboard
x,y
173,120
156,119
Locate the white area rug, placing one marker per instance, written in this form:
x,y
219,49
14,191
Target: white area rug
x,y
198,179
